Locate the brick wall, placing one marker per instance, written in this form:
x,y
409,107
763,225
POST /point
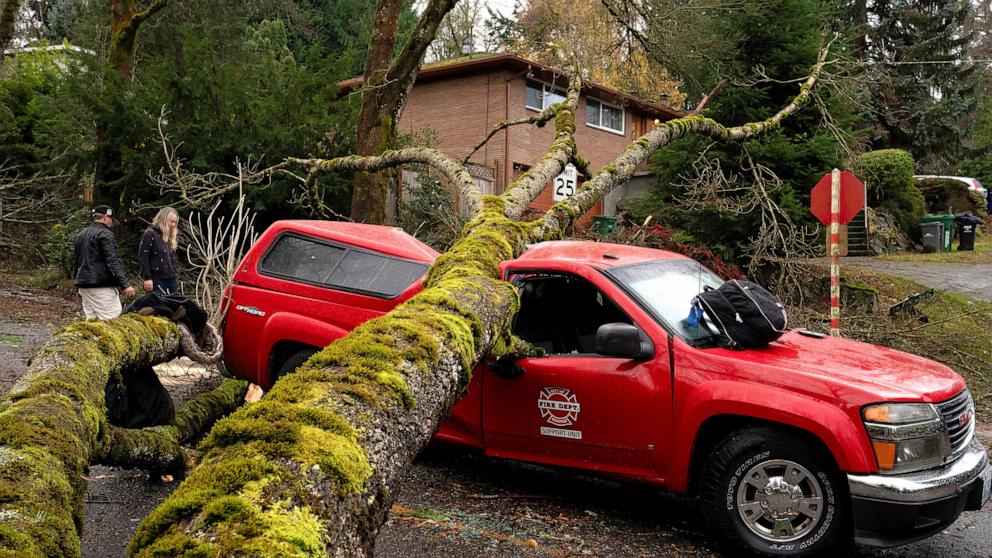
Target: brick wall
x,y
461,111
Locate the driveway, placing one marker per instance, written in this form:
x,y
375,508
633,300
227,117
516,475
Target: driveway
x,y
973,280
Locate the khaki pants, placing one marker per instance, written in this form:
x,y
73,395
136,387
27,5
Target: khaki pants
x,y
102,303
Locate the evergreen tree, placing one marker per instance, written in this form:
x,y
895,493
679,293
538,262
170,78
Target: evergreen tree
x,y
783,37
922,88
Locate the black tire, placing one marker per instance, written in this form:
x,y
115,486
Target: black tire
x,y
761,453
293,362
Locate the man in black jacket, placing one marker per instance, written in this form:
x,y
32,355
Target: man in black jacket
x,y
99,271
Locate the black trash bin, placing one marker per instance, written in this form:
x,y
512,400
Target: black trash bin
x,y
967,223
966,236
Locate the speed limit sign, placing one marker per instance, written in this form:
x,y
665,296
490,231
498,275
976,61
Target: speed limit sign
x,y
565,184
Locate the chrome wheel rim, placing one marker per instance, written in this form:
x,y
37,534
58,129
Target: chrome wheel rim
x,y
779,500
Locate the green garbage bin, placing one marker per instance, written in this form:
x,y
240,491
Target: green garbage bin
x,y
606,224
948,222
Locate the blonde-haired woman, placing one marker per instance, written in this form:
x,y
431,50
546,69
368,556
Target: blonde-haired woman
x,y
157,253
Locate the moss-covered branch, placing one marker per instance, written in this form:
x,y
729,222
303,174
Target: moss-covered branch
x,y
8,14
159,449
124,24
623,167
530,184
53,422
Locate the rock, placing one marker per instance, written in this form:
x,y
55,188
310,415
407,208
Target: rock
x,y
884,235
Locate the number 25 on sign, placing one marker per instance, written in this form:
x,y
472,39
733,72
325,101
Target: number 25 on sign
x,y
565,183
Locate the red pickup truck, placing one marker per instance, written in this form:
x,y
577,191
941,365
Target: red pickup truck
x,y
790,449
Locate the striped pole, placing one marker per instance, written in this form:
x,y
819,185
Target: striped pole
x,y
835,253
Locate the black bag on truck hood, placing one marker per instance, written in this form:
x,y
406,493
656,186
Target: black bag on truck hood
x,y
745,312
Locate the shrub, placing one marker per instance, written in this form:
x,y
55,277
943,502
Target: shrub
x,y
888,175
945,195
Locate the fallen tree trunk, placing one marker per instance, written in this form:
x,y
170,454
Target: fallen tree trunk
x,y
53,425
312,469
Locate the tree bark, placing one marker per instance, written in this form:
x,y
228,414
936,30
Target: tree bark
x,y
125,19
311,470
8,16
124,23
386,84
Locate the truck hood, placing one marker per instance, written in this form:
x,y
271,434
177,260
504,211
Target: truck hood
x,y
845,366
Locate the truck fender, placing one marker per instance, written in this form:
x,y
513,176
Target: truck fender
x,y
287,326
843,437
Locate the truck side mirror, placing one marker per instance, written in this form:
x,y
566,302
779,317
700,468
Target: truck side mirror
x,y
622,340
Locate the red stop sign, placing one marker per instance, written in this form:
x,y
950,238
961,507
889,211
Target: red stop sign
x,y
852,198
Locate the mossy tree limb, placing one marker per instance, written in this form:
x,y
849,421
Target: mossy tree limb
x,y
452,169
124,23
160,449
53,422
623,167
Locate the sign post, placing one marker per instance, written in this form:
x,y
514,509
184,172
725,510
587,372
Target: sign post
x,y
835,253
835,200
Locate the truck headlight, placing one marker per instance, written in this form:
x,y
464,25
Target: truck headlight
x,y
906,437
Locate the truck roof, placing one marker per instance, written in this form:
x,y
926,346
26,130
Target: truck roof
x,y
393,241
601,255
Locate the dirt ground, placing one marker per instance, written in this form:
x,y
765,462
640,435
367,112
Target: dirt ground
x,y
453,503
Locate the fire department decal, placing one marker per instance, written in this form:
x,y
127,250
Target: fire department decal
x,y
559,407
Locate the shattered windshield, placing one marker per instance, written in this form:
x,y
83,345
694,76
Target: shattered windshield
x,y
667,288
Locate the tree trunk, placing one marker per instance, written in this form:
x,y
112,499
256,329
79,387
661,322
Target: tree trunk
x,y
125,19
8,16
386,84
53,426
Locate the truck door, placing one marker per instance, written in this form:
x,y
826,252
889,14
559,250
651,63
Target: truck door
x,y
574,407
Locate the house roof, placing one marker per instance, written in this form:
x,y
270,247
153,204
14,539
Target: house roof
x,y
485,61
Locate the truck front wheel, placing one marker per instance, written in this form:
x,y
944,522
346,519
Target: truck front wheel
x,y
774,493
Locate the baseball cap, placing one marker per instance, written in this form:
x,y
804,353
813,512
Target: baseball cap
x,y
105,210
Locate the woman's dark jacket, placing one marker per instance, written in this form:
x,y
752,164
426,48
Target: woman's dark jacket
x,y
155,259
97,261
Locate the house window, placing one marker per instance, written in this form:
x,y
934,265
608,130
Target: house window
x,y
602,115
541,95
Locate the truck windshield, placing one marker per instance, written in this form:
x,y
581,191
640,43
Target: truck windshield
x,y
666,288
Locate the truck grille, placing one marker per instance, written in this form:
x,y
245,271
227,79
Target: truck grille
x,y
951,412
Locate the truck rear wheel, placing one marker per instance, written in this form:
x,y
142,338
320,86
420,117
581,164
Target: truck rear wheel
x,y
294,361
772,493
